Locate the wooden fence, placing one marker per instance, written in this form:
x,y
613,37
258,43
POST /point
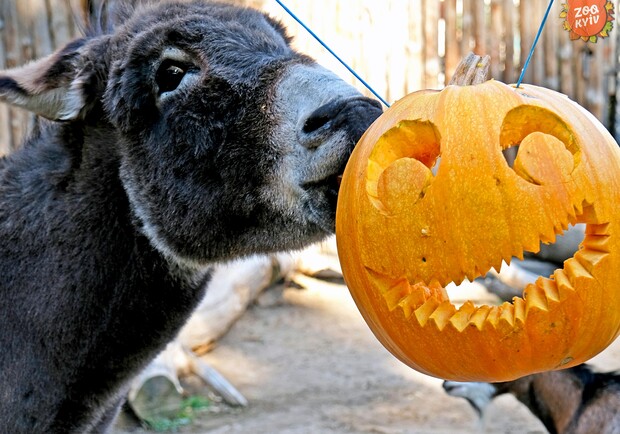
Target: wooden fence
x,y
397,46
400,46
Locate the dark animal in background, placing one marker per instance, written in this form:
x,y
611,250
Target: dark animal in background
x,y
184,135
571,401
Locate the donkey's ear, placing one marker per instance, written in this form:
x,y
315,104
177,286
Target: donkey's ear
x,y
52,87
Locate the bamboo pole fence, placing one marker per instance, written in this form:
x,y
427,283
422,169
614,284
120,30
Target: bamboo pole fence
x,y
398,46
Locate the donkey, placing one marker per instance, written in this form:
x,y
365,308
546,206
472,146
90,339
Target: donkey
x,y
571,401
179,136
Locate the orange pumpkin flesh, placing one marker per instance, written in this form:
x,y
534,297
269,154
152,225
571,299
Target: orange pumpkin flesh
x,y
405,232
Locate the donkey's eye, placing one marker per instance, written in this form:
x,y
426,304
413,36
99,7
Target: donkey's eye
x,y
169,75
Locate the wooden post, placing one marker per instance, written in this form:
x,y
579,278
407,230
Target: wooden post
x,y
527,37
509,11
551,48
30,29
467,43
497,38
479,27
431,62
417,53
6,136
452,36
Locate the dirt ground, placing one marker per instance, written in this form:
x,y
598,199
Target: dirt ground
x,y
308,364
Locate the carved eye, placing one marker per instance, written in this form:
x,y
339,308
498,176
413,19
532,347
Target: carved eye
x,y
170,74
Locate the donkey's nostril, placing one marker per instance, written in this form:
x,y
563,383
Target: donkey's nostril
x,y
315,122
321,116
348,116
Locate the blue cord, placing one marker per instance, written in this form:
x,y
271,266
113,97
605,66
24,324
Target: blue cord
x,y
332,53
529,57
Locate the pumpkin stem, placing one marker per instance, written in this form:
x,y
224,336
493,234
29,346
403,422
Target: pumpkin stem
x,y
473,69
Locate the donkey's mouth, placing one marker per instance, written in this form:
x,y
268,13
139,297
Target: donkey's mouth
x,y
333,186
325,191
330,184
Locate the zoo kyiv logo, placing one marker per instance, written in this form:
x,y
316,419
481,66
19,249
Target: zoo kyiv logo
x,y
588,20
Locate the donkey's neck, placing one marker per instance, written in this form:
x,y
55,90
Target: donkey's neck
x,y
114,301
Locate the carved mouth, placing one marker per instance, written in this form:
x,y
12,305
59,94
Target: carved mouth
x,y
428,302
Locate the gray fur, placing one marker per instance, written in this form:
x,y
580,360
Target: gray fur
x,y
115,209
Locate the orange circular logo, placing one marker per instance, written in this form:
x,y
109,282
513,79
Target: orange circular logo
x,y
588,19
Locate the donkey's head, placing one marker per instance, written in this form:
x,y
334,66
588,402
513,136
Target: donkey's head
x,y
228,141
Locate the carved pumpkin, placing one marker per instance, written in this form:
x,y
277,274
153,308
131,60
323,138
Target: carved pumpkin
x,y
405,231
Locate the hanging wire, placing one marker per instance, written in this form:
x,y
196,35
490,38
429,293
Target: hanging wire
x,y
314,35
529,57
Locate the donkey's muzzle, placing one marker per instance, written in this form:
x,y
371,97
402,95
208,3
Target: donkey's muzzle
x,y
351,116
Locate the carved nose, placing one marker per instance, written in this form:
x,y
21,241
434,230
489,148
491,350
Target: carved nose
x,y
351,116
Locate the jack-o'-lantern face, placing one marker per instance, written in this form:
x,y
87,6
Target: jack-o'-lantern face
x,y
428,199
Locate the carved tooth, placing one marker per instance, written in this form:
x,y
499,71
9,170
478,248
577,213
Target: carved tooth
x,y
573,219
579,208
396,293
589,258
425,311
519,309
597,229
437,290
493,317
383,282
507,314
596,242
551,288
480,316
497,266
460,320
441,316
419,294
535,298
564,286
408,304
575,270
533,244
549,238
589,215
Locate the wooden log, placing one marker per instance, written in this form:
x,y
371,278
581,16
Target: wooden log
x,y
232,289
148,391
